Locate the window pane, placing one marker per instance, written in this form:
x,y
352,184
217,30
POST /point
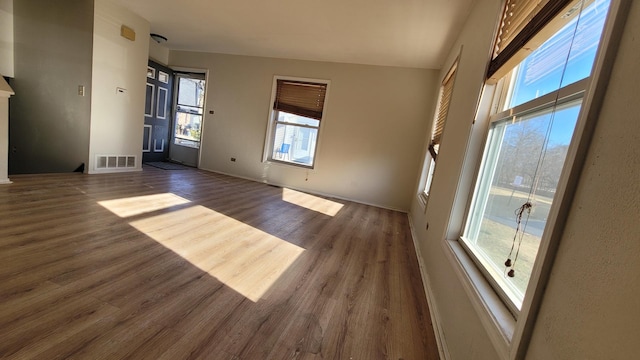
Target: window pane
x,y
432,168
523,161
191,92
295,144
187,129
543,71
296,119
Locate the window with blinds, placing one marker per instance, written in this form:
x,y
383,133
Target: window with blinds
x,y
446,90
531,128
294,125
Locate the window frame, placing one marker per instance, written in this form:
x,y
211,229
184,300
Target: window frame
x,y
510,335
269,150
550,101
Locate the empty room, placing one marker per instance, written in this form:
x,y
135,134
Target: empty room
x,y
423,179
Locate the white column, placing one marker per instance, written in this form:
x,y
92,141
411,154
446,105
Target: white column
x,y
5,93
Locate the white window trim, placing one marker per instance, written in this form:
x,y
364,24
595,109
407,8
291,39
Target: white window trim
x,y
510,336
268,142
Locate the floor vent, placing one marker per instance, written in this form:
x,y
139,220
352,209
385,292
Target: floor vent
x,y
115,161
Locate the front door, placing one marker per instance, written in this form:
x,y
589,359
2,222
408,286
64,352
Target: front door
x,y
157,113
187,119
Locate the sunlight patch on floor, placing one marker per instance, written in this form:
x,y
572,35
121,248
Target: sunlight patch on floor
x,y
137,205
311,202
242,257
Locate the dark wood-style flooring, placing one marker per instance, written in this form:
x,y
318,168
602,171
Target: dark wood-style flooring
x,y
189,264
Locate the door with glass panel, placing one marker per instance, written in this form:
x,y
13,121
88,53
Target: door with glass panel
x,y
187,119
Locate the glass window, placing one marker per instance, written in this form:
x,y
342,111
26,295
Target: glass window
x,y
525,152
523,161
189,109
544,71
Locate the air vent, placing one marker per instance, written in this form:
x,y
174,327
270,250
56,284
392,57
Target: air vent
x,y
105,162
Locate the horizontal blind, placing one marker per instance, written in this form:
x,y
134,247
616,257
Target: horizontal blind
x,y
521,21
443,110
517,14
300,98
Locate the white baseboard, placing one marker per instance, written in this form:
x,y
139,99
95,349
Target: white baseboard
x,y
433,308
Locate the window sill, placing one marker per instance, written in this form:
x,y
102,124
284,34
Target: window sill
x,y
289,163
494,315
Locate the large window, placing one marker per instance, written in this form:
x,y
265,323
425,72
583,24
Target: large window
x,y
446,90
529,135
294,126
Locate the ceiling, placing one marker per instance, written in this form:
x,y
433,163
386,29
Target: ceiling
x,y
405,33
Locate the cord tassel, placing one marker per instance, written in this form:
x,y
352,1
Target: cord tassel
x,y
518,236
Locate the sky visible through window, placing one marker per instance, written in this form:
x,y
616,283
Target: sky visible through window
x,y
544,70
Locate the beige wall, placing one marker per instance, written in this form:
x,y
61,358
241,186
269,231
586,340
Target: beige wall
x,y
117,119
589,310
370,141
6,38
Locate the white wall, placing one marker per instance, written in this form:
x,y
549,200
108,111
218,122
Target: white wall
x,y
117,119
370,141
6,38
590,308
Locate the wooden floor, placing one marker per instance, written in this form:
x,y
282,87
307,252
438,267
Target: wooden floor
x,y
189,264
